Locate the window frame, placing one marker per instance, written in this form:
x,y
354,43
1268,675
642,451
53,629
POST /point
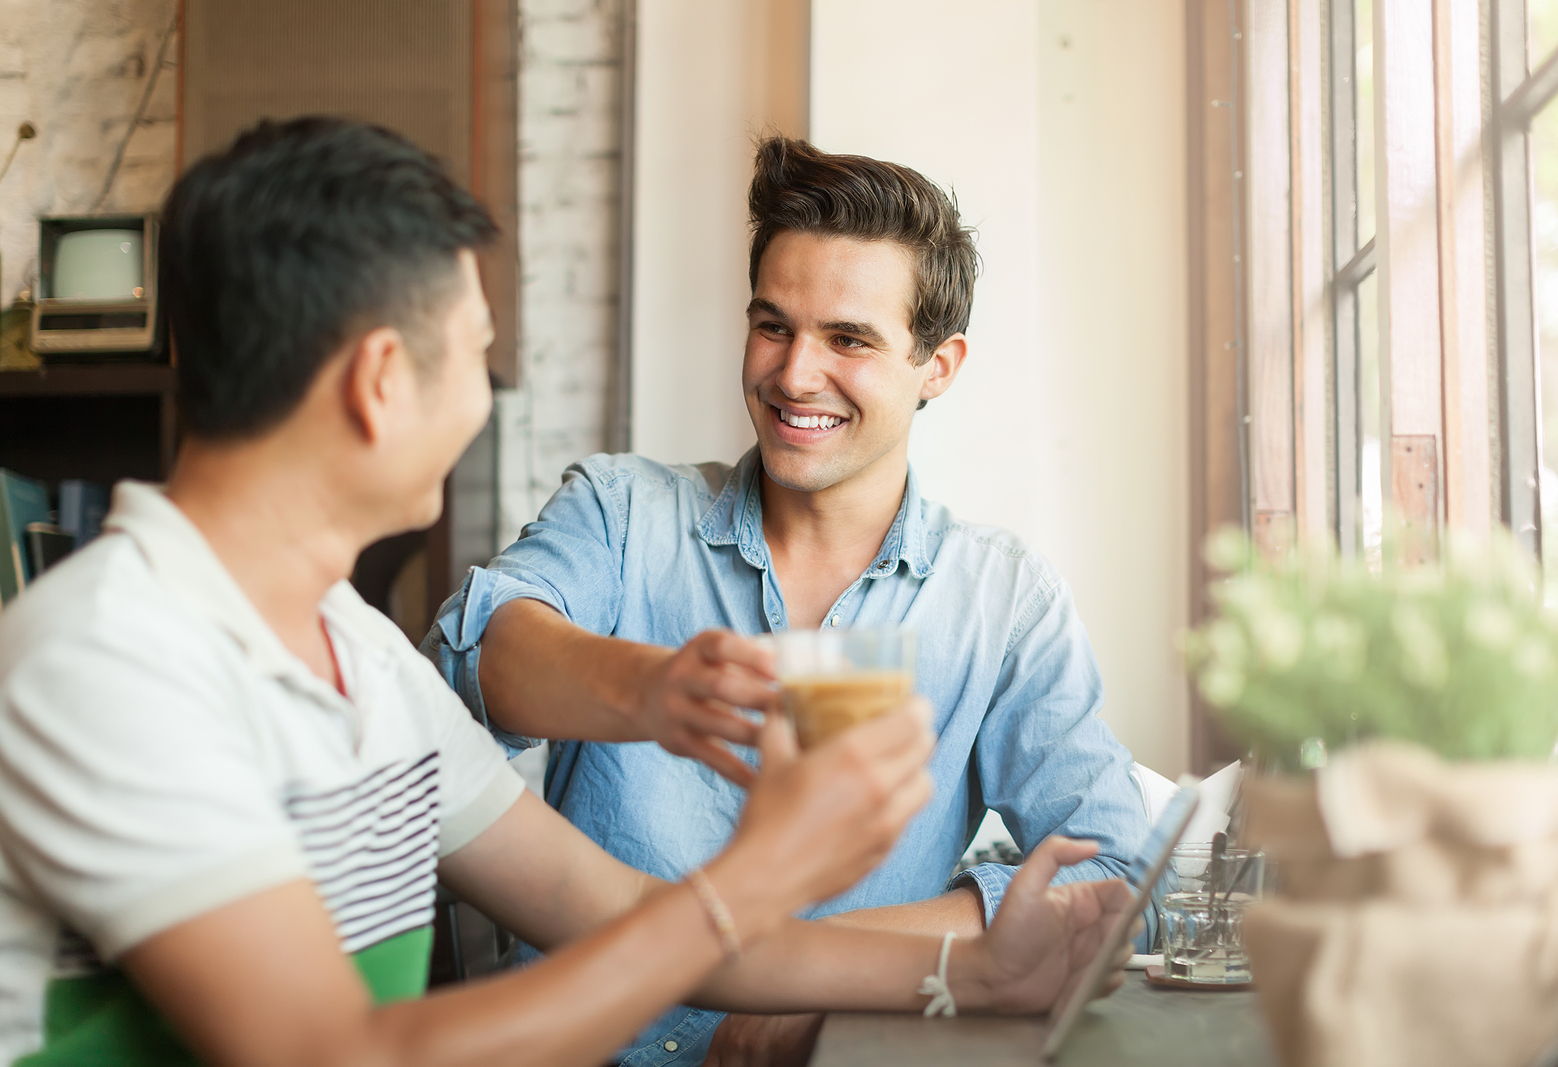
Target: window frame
x,y
1521,95
1276,341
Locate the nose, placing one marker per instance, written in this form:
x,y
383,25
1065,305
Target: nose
x,y
802,373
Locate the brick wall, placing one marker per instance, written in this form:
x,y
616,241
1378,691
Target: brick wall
x,y
78,70
570,139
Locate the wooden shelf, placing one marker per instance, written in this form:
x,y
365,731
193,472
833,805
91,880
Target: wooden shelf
x,y
89,379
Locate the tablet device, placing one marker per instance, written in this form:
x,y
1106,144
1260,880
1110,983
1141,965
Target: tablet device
x,y
1143,875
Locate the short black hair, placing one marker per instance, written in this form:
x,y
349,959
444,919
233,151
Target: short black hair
x,y
276,251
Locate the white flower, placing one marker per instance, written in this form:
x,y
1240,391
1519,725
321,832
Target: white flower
x,y
1222,685
1468,557
1419,581
1422,650
1533,659
1491,625
1225,641
1341,645
1246,595
1279,639
1227,549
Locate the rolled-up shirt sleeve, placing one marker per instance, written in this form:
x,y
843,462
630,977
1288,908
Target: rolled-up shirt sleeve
x,y
570,559
1047,763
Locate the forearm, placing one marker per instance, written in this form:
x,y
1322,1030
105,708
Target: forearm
x,y
305,1004
960,911
542,676
1040,942
579,1005
585,1000
824,966
740,1036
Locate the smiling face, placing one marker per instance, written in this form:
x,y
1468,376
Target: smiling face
x,y
829,376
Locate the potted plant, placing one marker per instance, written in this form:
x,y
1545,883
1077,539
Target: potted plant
x,y
1402,720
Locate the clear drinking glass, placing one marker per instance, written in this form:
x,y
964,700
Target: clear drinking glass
x,y
1201,913
831,679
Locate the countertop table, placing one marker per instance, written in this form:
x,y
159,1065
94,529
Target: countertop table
x,y
1139,1024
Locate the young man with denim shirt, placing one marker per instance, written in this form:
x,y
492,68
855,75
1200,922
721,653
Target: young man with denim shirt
x,y
614,617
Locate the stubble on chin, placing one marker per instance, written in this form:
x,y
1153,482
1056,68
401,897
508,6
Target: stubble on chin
x,y
799,476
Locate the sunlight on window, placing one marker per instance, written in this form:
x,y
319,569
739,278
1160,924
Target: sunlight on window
x,y
1541,30
1363,88
1371,489
1544,261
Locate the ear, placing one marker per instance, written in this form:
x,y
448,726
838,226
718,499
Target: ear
x,y
374,382
944,365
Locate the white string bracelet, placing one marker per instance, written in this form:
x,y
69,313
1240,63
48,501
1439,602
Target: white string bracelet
x,y
935,985
714,908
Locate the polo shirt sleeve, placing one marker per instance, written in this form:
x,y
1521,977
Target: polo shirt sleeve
x,y
569,558
1047,763
476,785
131,796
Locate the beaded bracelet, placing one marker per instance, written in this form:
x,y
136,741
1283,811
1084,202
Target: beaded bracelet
x,y
719,915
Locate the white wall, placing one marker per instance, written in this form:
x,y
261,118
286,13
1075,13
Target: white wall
x,y
1061,127
711,75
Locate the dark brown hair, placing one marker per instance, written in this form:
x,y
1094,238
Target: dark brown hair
x,y
795,186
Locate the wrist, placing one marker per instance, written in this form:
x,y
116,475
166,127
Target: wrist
x,y
972,975
754,899
632,694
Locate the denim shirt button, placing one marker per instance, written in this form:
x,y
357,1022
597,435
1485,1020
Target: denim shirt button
x,y
834,622
671,1046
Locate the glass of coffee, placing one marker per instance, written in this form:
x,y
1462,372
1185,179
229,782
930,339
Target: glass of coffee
x,y
831,679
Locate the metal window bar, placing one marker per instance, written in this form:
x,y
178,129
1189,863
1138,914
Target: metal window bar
x,y
1345,259
1521,97
1236,110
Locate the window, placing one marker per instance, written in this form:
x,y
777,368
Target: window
x,y
1354,297
1374,220
1530,115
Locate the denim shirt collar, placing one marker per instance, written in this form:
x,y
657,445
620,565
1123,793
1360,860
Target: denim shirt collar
x,y
736,518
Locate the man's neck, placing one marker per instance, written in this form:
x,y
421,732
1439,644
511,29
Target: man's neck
x,y
832,521
282,534
820,542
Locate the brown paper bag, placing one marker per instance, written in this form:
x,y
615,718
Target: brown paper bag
x,y
1416,914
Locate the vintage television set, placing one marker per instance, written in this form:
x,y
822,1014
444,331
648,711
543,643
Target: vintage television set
x,y
97,287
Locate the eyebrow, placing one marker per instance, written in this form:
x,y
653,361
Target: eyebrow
x,y
863,330
766,306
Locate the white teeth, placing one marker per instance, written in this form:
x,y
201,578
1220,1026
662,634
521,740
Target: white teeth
x,y
810,422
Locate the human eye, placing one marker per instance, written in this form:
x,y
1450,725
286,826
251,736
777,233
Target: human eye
x,y
845,341
773,329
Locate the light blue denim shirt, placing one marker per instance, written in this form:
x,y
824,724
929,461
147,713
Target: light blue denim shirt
x,y
653,553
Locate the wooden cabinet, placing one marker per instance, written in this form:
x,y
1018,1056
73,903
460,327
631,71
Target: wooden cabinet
x,y
99,421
